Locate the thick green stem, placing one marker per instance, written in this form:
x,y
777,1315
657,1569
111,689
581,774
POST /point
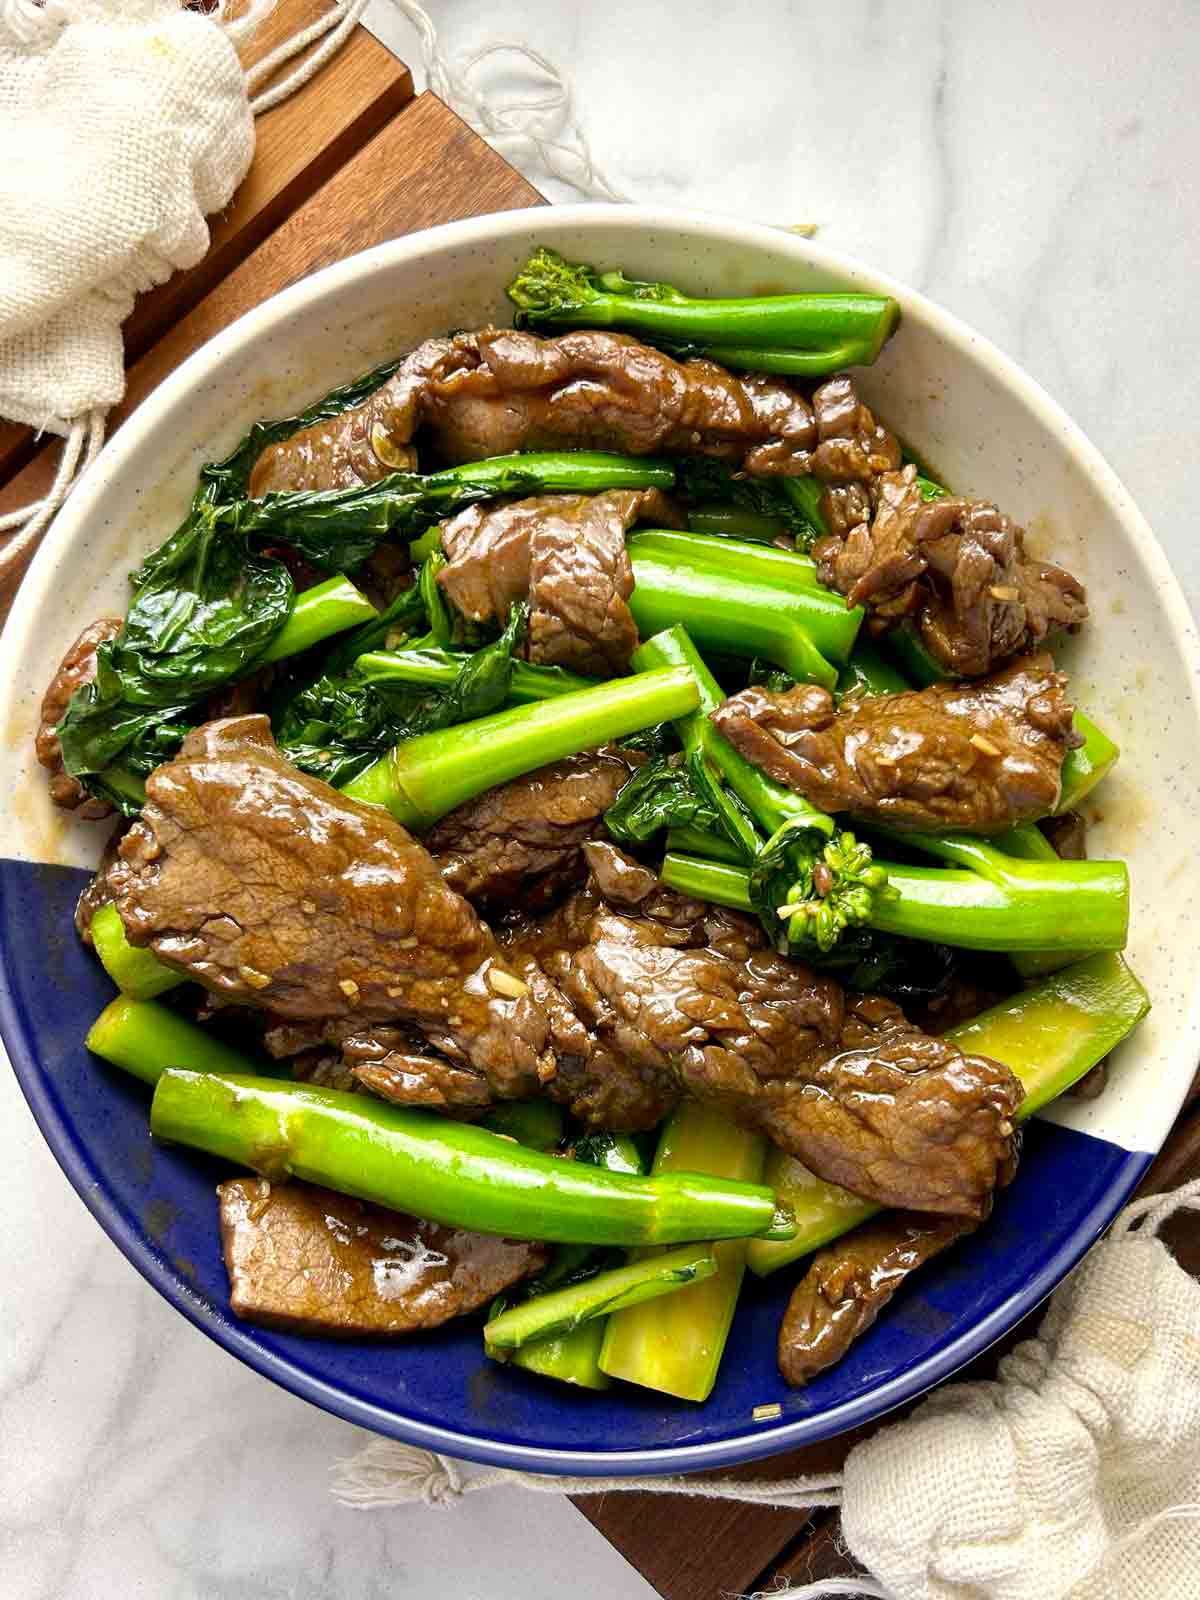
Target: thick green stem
x,y
835,330
1050,1035
675,1345
559,472
449,1172
1082,768
536,1123
780,359
137,973
552,1315
430,664
698,842
769,803
422,779
144,1038
735,522
327,608
1027,910
572,1358
742,598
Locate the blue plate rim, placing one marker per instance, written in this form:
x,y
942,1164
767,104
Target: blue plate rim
x,y
873,1403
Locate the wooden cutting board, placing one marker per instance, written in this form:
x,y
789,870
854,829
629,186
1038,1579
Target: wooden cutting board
x,y
353,159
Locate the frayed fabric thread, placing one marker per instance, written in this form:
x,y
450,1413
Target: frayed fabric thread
x,y
388,1473
541,125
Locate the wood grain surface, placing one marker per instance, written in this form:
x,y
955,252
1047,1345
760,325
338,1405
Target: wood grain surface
x,y
349,162
423,167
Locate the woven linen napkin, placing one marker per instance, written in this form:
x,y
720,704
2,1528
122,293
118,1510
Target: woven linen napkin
x,y
123,125
131,123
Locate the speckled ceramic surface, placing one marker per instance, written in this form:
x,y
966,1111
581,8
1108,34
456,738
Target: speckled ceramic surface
x,y
987,429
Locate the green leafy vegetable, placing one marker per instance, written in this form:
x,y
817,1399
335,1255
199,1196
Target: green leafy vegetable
x,y
338,528
817,888
662,794
825,879
204,607
699,479
336,727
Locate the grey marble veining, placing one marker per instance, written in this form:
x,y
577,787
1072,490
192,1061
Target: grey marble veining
x,y
1032,168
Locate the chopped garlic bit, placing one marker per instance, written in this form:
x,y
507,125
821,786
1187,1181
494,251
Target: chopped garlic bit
x,y
255,978
394,991
390,454
410,943
505,983
309,907
1003,591
982,742
767,1413
349,988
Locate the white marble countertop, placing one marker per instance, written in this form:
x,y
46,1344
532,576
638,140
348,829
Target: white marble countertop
x,y
1030,167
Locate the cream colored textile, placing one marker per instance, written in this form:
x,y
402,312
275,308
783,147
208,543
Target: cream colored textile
x,y
1077,1473
124,124
130,123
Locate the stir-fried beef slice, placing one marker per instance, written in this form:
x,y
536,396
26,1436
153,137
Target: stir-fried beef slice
x,y
393,1063
877,562
75,669
566,554
271,888
1068,834
959,565
977,756
675,997
852,446
364,444
497,391
97,892
983,598
312,1261
608,391
849,1283
611,1075
520,846
580,580
895,1115
396,1068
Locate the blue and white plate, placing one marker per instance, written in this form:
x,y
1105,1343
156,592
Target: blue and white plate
x,y
990,431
